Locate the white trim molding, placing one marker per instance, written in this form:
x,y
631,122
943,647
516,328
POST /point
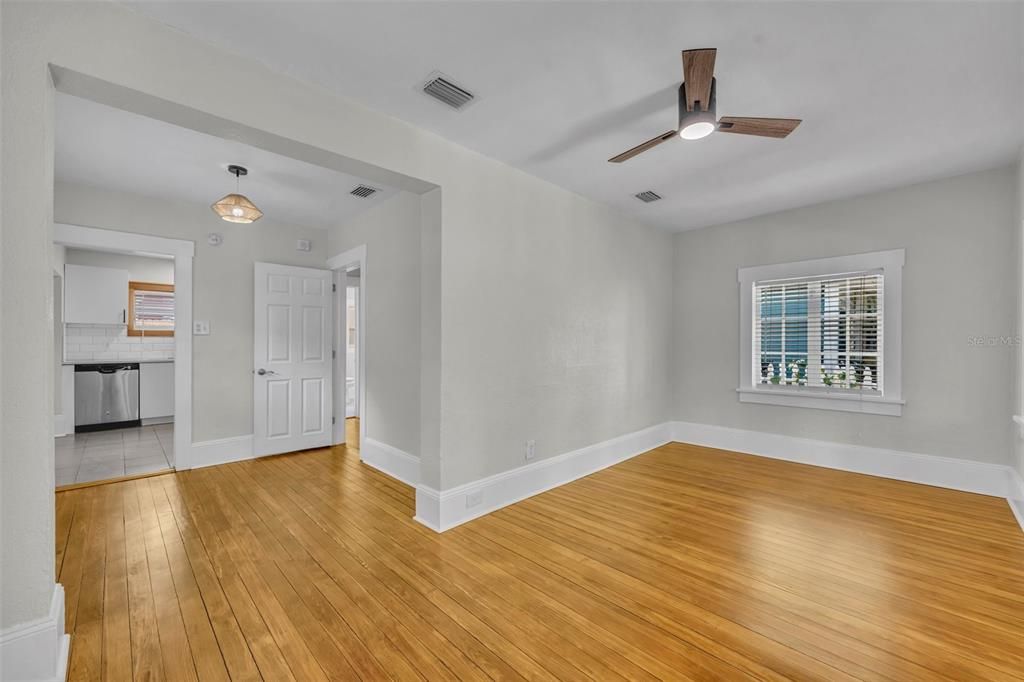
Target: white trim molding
x,y
890,401
945,472
37,650
209,453
812,398
1016,496
354,257
183,252
390,460
443,510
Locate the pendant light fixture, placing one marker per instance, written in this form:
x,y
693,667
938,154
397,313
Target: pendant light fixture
x,y
236,208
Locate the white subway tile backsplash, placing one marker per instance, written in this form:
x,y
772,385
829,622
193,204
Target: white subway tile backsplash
x,y
85,342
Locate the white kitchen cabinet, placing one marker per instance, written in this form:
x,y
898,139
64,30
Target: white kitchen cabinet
x,y
95,295
156,390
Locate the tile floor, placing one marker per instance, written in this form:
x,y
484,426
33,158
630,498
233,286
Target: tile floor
x,y
84,457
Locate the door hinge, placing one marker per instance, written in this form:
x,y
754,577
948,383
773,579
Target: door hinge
x,y
334,287
334,420
334,354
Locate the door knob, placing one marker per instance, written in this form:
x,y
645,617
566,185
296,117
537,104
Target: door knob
x,y
262,371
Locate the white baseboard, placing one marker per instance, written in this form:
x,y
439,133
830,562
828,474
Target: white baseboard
x,y
220,451
37,650
390,460
442,510
428,508
944,472
60,427
1016,496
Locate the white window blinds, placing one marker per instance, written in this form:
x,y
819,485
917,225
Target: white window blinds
x,y
152,310
823,332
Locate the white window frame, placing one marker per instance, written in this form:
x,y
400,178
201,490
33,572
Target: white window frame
x,y
889,398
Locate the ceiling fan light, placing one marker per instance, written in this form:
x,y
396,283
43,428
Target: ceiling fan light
x,y
697,130
236,208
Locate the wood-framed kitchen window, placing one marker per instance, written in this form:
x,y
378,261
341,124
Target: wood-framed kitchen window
x,y
150,309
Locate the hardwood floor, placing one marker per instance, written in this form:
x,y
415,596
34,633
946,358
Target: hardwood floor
x,y
352,434
682,563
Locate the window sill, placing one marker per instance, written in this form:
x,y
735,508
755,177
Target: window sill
x,y
795,397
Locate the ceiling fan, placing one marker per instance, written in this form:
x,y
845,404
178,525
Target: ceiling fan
x,y
697,109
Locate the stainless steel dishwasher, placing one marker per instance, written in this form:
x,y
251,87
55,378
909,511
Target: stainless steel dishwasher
x,y
106,396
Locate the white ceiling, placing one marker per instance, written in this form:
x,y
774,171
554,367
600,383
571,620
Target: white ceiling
x,y
890,93
102,146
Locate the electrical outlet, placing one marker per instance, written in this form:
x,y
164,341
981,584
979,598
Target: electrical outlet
x,y
474,498
531,449
200,327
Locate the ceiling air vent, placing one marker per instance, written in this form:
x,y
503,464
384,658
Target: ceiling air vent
x,y
441,88
363,191
648,196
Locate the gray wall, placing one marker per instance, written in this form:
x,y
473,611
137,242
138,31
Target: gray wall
x,y
140,268
1018,431
222,291
557,316
959,281
391,233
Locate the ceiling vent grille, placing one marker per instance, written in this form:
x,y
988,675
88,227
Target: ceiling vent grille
x,y
441,88
648,196
363,191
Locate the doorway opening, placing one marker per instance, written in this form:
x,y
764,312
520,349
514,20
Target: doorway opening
x,y
352,378
350,347
122,318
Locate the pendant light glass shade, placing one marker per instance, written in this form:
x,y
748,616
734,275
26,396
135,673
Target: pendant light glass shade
x,y
236,208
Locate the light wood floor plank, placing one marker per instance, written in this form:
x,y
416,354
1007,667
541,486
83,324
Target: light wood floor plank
x,y
147,655
117,650
232,643
86,655
683,563
174,641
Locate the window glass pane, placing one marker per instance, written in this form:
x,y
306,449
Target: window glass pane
x,y
153,310
771,302
771,364
824,332
796,301
771,336
796,335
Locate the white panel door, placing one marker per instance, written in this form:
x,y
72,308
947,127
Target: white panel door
x,y
292,391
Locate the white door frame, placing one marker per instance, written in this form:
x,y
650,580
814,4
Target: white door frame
x,y
78,237
340,264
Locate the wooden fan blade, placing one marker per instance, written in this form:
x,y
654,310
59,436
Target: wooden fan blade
x,y
698,70
640,148
765,127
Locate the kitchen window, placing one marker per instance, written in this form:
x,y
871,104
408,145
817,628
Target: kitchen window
x,y
150,309
823,334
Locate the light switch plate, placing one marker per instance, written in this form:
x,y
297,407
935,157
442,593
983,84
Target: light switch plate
x,y
200,328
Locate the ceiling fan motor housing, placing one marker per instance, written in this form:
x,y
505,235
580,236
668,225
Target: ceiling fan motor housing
x,y
701,113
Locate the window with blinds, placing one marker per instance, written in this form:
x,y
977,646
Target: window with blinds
x,y
150,309
821,332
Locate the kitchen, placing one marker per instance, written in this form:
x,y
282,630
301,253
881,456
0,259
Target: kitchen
x,y
114,328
